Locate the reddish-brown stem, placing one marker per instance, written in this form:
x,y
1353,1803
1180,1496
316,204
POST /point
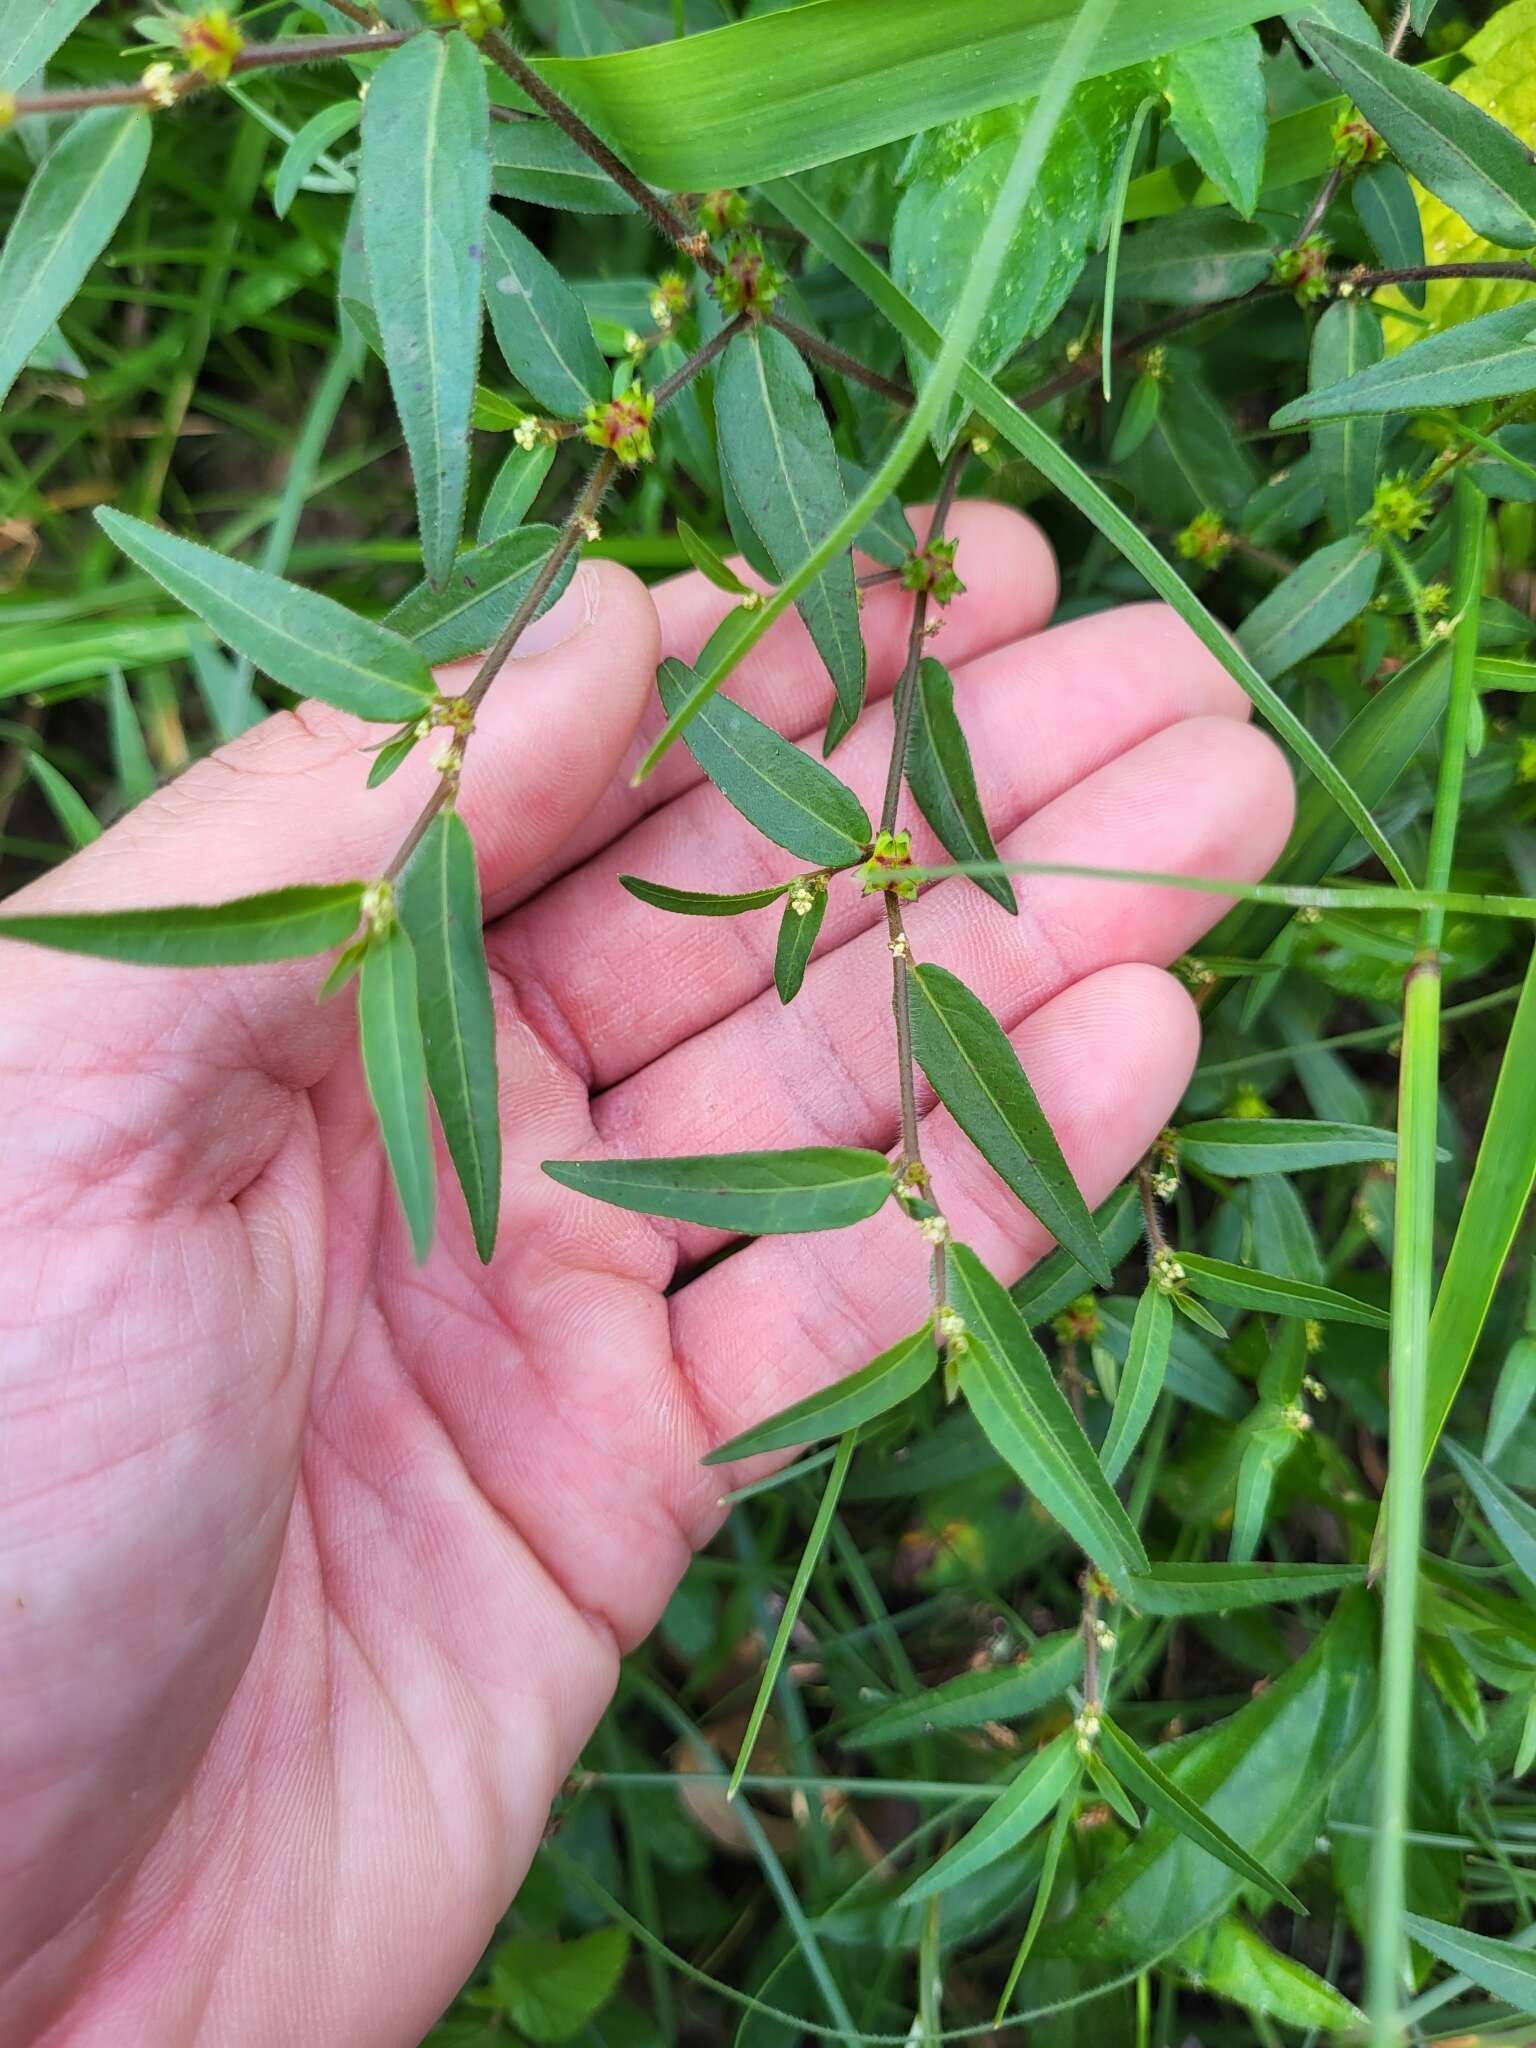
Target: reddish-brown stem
x,y
254,57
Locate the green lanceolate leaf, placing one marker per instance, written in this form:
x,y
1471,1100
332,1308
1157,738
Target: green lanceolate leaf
x,y
1453,148
1143,403
1025,1416
1231,1961
818,1187
1005,1693
1389,213
708,562
540,325
1319,599
1268,1294
1498,1967
976,1074
538,162
1492,356
440,909
1058,1280
1179,1589
793,800
943,780
776,447
888,538
1013,1816
1146,1366
1152,1785
517,483
78,821
425,189
279,924
1511,1519
318,134
848,1404
30,32
699,902
1194,260
1246,1145
1215,92
482,590
395,1064
66,218
306,642
798,931
1346,455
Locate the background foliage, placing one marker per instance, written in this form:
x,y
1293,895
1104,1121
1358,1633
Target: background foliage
x,y
216,375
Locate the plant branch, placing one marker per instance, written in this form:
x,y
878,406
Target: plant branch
x,y
1329,190
906,687
255,57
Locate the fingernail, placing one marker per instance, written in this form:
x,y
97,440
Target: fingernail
x,y
576,610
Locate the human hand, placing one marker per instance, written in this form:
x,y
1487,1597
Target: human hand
x,y
318,1564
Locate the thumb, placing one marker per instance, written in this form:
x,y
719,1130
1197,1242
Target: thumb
x,y
288,802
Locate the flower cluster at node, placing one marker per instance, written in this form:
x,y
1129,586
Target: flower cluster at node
x,y
669,299
1355,141
1079,1322
1248,1103
473,16
1087,1726
803,892
1305,269
1205,541
1167,1273
1398,511
719,212
210,42
377,909
623,426
749,283
935,1229
931,568
949,1328
891,852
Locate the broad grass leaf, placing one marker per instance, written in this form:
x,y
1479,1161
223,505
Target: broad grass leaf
x,y
1388,211
1014,1396
1492,356
818,1187
701,902
1216,101
1184,1589
1498,1967
1146,1367
278,924
1271,1294
321,132
67,216
1030,1798
1233,1962
1512,1520
440,909
306,642
481,591
943,781
1461,154
424,189
976,1074
847,1404
30,32
513,489
395,1066
1303,613
1004,1693
1239,1145
540,325
788,796
1346,454
776,447
798,932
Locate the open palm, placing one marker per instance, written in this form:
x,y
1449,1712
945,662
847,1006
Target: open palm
x,y
317,1565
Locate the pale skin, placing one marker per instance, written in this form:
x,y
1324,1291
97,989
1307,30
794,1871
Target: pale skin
x,y
316,1566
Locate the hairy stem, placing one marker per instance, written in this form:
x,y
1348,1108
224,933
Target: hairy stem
x,y
254,57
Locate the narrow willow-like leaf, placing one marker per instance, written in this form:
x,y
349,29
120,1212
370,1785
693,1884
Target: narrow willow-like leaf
x,y
302,640
30,32
810,1557
425,189
1058,1279
320,133
1230,1961
818,1187
798,932
1247,1145
540,325
943,780
394,754
394,1063
1179,1589
1492,356
1032,441
1346,454
131,765
66,218
79,822
1146,1365
1215,92
1501,1185
1265,1450
517,483
976,1074
1389,213
795,801
480,593
1112,1792
1499,1967
708,563
1005,1693
887,537
1143,403
1171,1803
776,446
847,1404
440,909
1242,1287
1045,1891
1195,260
1512,1396
1512,1520
538,162
700,902
1011,1819
279,924
1013,1395
1452,147
1314,602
